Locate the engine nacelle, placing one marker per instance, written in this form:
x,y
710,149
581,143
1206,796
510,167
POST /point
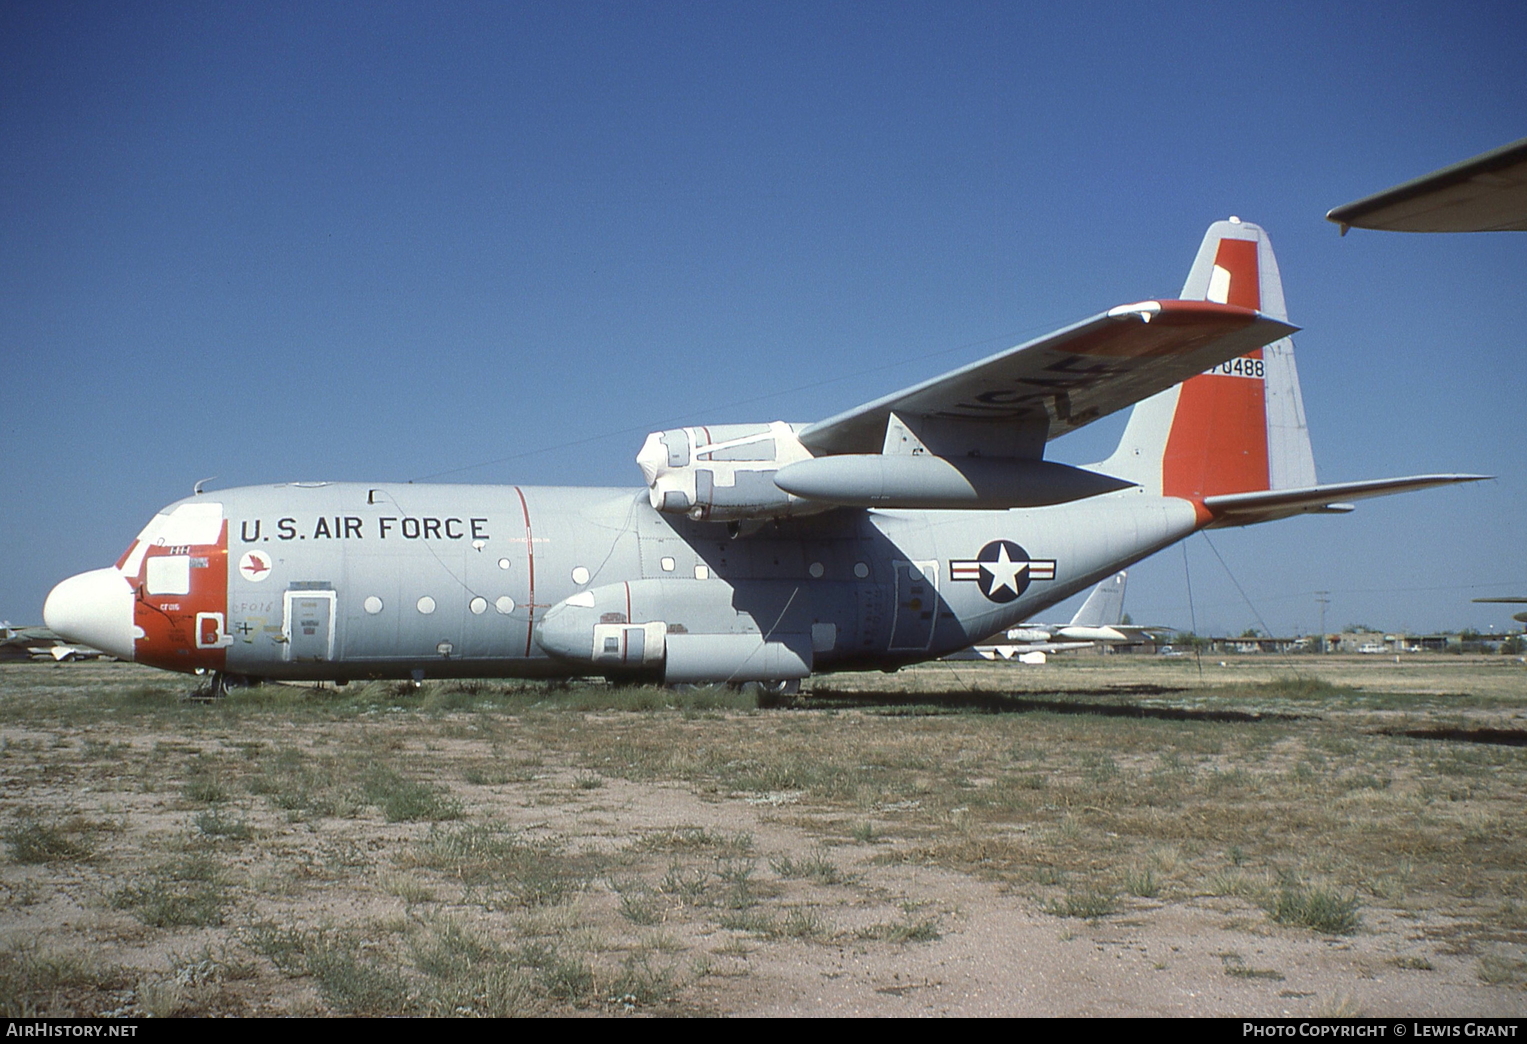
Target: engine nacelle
x,y
684,630
900,481
723,472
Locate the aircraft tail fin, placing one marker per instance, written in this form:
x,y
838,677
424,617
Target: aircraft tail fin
x,y
1104,607
1233,441
1240,427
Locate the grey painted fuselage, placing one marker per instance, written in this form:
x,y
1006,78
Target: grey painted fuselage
x,y
474,581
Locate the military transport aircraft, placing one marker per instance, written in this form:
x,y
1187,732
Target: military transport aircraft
x,y
898,531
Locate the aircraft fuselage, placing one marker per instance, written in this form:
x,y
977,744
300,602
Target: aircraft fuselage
x,y
344,580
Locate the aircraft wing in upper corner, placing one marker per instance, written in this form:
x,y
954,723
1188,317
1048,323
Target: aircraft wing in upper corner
x,y
1485,193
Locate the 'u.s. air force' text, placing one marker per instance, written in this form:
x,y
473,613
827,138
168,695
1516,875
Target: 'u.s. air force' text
x,y
349,527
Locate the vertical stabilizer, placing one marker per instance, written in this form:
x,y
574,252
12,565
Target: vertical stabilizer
x,y
1240,427
1104,607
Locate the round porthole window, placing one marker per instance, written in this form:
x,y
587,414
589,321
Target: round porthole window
x,y
478,605
504,605
426,605
373,605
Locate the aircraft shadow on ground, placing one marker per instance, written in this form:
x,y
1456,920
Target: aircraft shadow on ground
x,y
932,703
1494,737
1001,703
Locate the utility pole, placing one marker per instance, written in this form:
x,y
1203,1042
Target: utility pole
x,y
1323,597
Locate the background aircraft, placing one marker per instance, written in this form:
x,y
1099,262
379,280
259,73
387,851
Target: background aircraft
x,y
39,643
1099,621
898,531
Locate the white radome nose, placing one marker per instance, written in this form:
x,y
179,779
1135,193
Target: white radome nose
x,y
95,609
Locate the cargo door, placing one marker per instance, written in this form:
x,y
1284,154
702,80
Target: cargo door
x,y
309,627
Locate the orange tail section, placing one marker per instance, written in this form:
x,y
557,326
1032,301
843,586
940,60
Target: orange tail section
x,y
1240,427
1218,440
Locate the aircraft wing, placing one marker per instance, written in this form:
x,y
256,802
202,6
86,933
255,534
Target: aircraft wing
x,y
1243,509
1486,193
1519,617
1010,404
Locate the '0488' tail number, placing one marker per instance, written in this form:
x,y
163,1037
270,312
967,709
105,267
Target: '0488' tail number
x,y
1245,366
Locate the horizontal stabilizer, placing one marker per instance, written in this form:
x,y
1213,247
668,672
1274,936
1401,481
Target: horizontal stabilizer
x,y
1244,509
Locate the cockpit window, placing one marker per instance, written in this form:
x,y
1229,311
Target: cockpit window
x,y
195,522
169,575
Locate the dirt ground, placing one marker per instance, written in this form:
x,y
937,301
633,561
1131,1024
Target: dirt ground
x,y
1093,837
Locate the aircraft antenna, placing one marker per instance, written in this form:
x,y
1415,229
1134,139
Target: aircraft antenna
x,y
196,489
1254,612
1192,616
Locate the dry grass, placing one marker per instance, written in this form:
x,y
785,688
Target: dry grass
x,y
378,850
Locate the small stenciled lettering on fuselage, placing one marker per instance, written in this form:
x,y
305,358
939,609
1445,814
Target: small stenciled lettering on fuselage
x,y
243,608
352,527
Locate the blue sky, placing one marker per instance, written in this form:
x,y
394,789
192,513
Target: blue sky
x,y
390,241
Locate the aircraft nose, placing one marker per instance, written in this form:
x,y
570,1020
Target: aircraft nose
x,y
94,608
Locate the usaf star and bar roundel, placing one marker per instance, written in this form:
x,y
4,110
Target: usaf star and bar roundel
x,y
1003,569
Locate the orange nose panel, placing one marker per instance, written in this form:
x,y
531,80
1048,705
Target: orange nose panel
x,y
181,598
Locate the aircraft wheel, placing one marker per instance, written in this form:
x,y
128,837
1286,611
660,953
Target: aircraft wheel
x,y
215,685
773,693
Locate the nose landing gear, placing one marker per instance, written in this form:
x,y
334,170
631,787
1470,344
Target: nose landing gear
x,y
215,685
